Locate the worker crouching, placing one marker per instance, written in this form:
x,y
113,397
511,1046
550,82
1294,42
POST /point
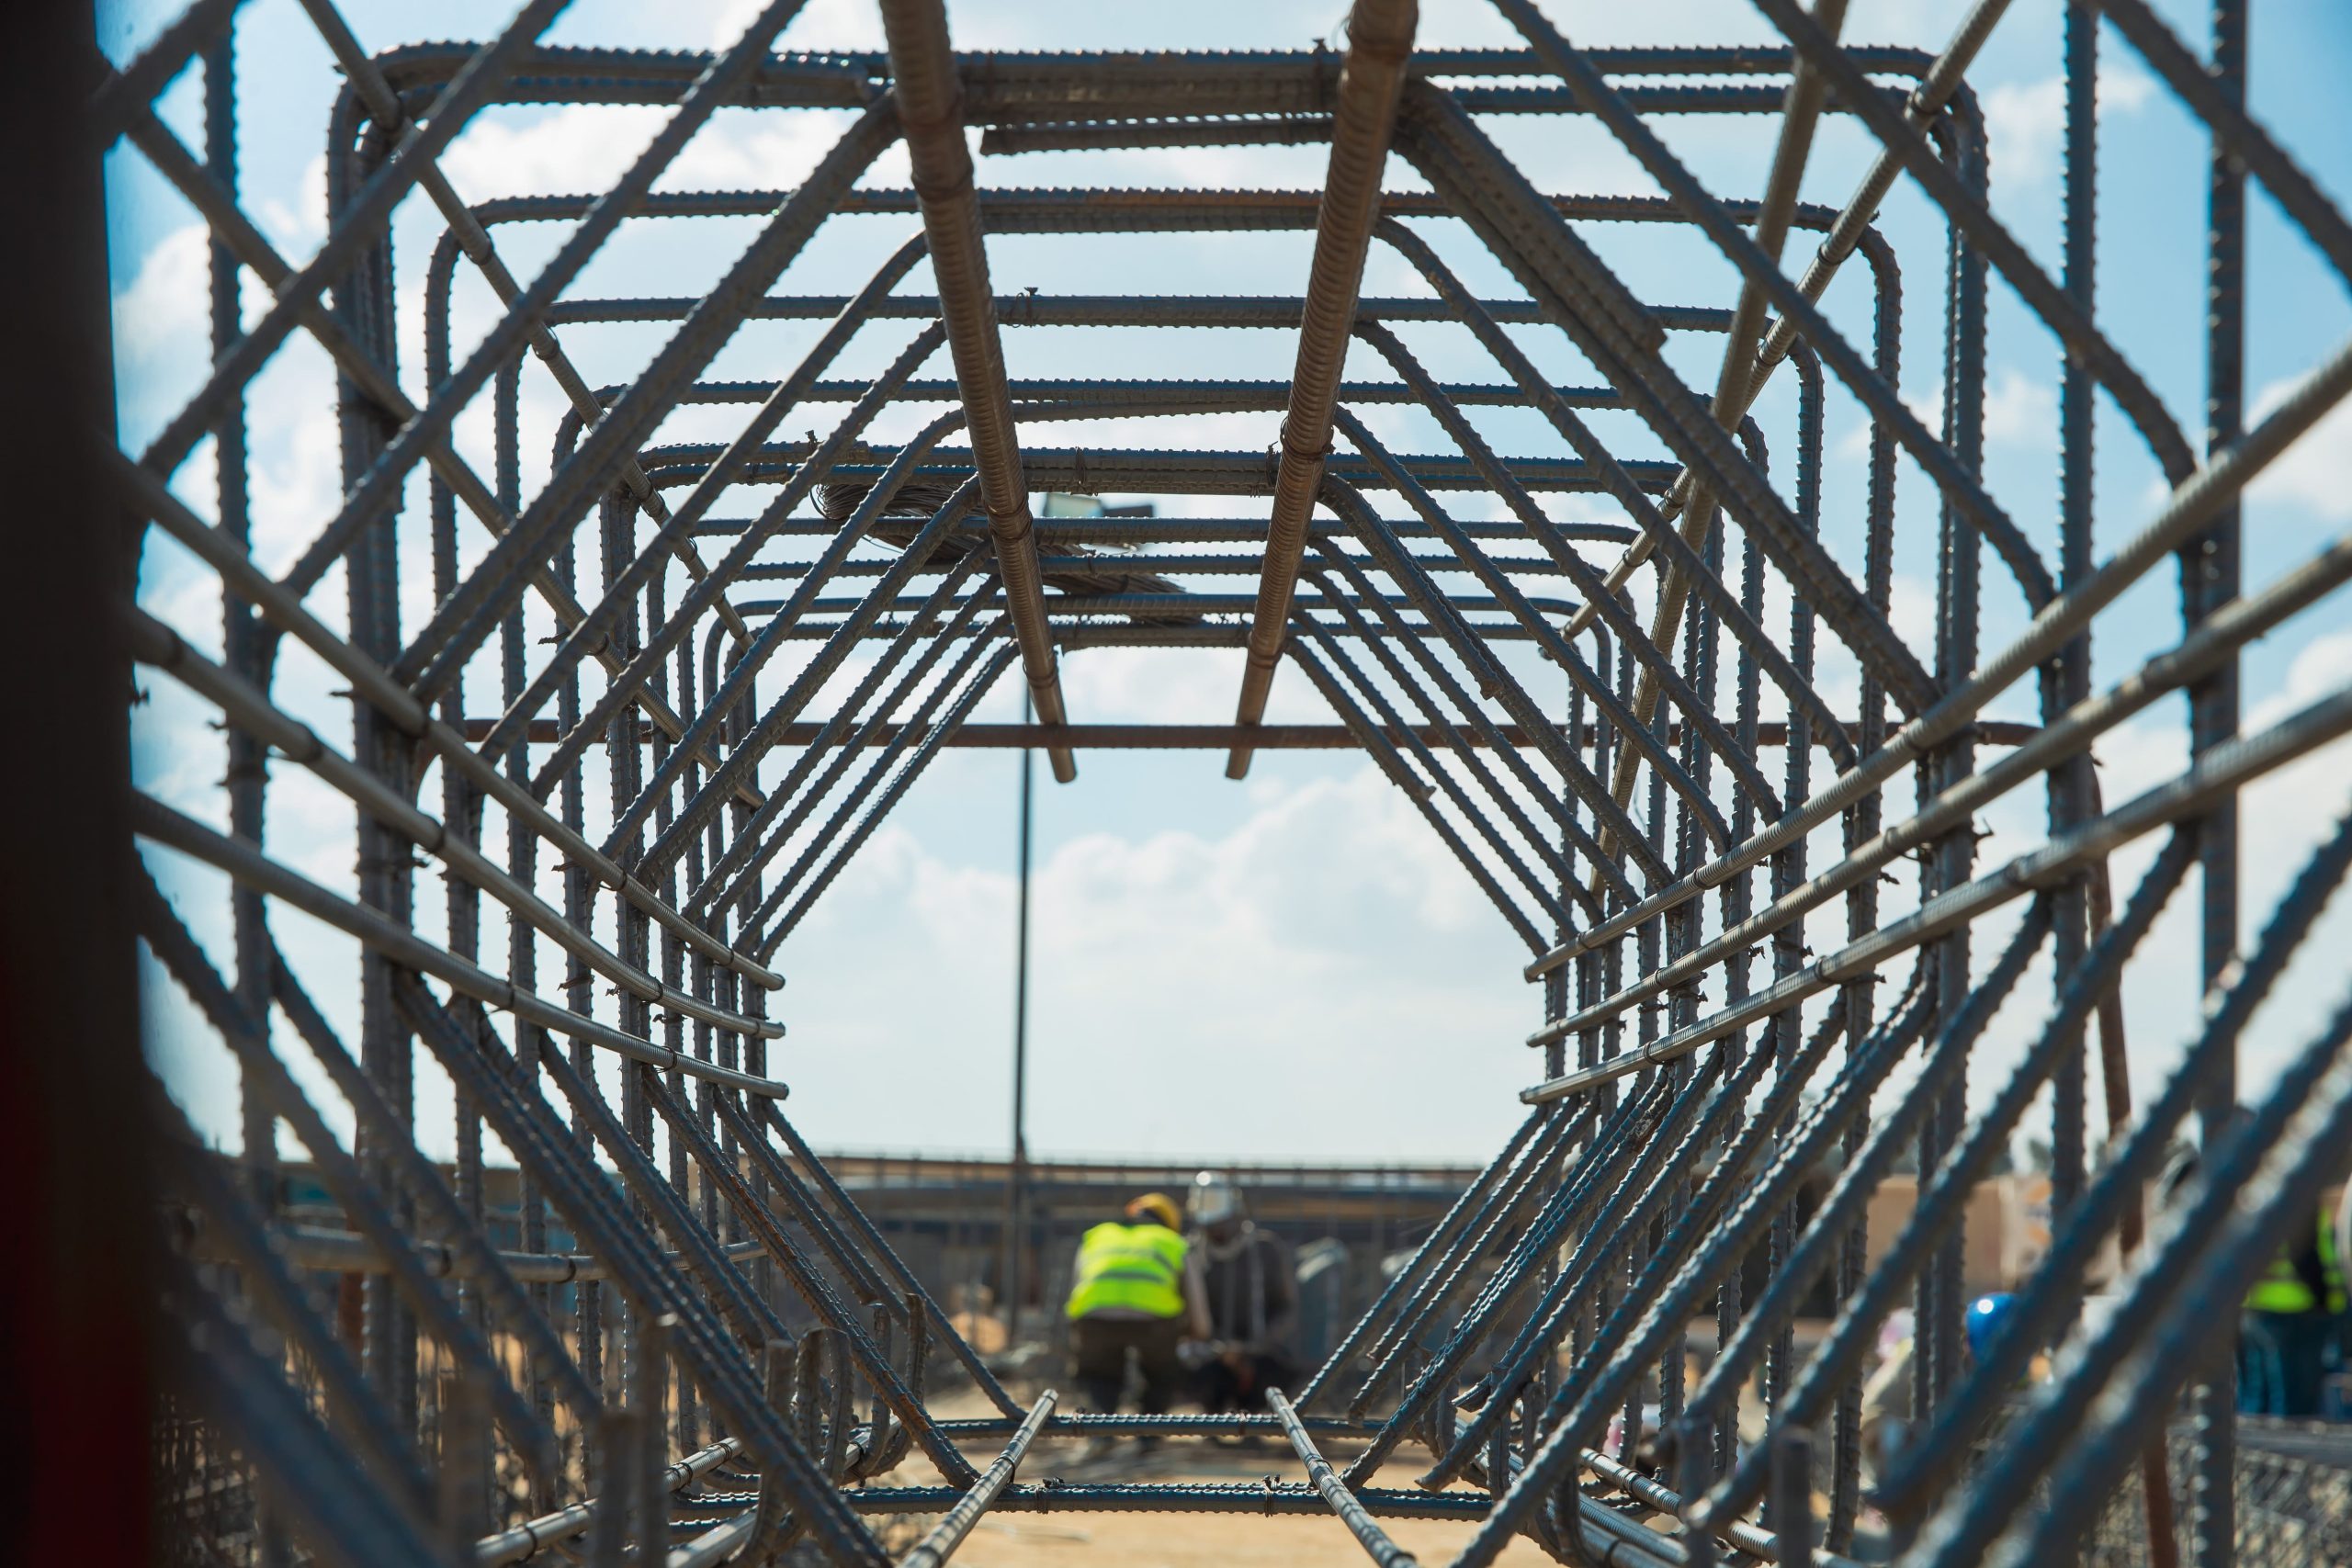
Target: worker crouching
x,y
1136,1291
1251,1288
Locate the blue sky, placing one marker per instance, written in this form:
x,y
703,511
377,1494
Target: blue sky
x,y
1294,964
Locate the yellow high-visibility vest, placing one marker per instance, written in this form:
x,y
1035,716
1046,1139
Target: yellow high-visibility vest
x,y
1139,1267
2283,1288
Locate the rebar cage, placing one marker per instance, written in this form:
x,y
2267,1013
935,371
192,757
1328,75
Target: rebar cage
x,y
642,699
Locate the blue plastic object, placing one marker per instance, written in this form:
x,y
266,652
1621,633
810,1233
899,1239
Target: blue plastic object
x,y
1986,1316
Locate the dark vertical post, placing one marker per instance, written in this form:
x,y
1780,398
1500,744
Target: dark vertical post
x,y
1707,1460
243,646
76,1321
364,301
1938,1338
1791,1496
2208,580
1016,1173
2070,785
245,650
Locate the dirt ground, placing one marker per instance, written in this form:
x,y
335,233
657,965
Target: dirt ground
x,y
1184,1541
1199,1540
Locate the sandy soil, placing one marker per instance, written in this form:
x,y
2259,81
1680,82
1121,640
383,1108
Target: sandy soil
x,y
1186,1541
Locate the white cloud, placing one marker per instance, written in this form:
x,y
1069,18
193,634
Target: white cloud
x,y
1855,443
2026,122
2020,410
1604,22
576,149
167,305
581,149
2321,668
163,340
2315,473
296,477
821,24
297,226
1178,685
1200,987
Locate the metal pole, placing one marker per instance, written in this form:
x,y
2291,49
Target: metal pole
x,y
2208,579
1016,1175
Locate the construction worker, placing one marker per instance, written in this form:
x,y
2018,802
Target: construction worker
x,y
2338,1405
1252,1301
2292,1328
1137,1289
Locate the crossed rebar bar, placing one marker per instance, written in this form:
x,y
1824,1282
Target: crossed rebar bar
x,y
452,1398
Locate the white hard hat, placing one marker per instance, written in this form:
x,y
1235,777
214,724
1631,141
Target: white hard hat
x,y
1212,1199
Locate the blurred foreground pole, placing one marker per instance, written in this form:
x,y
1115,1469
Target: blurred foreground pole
x,y
75,1347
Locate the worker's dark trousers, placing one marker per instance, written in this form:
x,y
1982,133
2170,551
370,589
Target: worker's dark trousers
x,y
2282,1362
1221,1388
1098,1354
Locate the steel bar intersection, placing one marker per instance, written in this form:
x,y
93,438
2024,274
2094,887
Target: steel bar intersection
x,y
1629,637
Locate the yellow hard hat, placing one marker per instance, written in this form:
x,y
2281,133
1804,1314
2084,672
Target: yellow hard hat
x,y
1156,1206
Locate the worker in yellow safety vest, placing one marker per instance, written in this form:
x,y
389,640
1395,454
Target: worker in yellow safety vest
x,y
2293,1326
1135,1292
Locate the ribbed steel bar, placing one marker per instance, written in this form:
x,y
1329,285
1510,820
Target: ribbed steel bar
x,y
547,1362
878,805
1485,319
526,1122
931,115
726,699
249,865
1416,787
1380,42
1537,1181
285,611
1732,381
826,734
1351,1510
1658,668
329,1494
1652,1316
1540,888
1963,1163
2074,730
1963,489
157,645
1579,294
1481,728
2188,510
385,107
1372,531
2183,797
708,593
2137,1161
861,722
462,621
358,225
940,1544
526,1540
1581,1279
2276,1162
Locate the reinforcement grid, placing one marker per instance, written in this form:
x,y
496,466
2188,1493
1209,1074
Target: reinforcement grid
x,y
604,731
